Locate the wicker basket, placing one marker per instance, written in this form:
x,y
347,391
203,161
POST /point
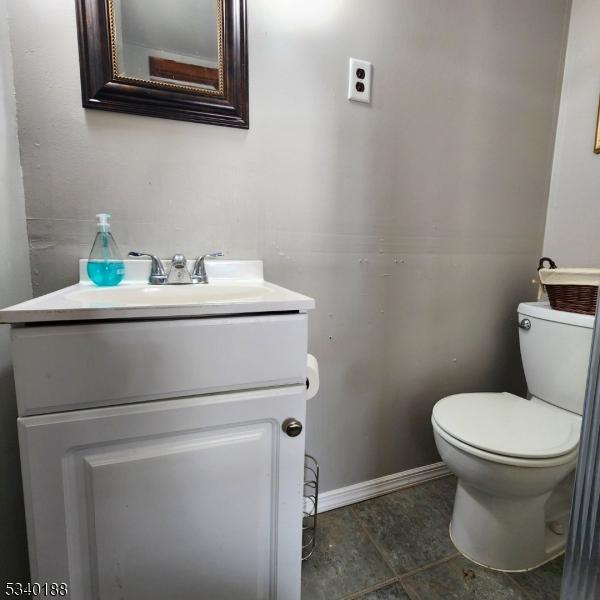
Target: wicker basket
x,y
571,297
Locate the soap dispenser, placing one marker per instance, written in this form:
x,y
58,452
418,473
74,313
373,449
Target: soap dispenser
x,y
105,265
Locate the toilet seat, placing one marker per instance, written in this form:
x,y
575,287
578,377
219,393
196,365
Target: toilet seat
x,y
505,428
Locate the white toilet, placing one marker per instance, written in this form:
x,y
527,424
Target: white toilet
x,y
515,458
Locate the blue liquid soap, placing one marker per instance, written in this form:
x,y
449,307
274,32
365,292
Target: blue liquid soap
x,y
105,265
106,273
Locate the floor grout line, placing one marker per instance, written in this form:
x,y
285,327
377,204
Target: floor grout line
x,y
412,594
434,563
373,588
380,550
378,585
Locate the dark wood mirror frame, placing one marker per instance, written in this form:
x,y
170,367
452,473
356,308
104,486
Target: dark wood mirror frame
x,y
103,89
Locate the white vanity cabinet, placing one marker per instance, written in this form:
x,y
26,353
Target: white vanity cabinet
x,y
194,498
154,425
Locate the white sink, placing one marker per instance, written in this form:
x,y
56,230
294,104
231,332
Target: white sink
x,y
169,295
235,287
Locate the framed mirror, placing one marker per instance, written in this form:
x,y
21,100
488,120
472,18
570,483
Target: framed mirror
x,y
175,59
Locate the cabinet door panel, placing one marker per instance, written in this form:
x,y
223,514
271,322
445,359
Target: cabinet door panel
x,y
187,499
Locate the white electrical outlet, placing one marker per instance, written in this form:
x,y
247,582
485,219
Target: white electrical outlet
x,y
359,80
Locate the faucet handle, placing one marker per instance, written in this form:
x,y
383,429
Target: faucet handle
x,y
210,255
157,272
199,272
213,254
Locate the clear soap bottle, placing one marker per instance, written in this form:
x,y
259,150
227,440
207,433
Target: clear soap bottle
x,y
105,265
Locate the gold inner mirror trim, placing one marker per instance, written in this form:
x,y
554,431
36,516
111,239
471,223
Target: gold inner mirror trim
x,y
597,145
161,84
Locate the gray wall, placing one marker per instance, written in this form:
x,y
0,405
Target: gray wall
x,y
573,223
415,222
15,287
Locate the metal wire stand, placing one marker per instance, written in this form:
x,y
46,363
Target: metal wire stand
x,y
311,506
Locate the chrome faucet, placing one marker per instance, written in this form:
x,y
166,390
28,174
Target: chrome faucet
x,y
178,273
199,272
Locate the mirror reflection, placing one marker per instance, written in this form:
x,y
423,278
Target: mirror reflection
x,y
168,42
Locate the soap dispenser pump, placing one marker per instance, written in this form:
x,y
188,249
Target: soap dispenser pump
x,y
105,265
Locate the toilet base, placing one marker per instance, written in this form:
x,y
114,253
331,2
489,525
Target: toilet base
x,y
510,533
473,560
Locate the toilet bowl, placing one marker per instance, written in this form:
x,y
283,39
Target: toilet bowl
x,y
515,458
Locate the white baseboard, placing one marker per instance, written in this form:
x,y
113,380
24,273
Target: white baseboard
x,y
377,487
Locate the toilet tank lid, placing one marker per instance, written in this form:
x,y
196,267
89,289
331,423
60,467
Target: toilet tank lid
x,y
543,310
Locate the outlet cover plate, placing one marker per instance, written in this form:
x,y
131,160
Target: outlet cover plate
x,y
359,73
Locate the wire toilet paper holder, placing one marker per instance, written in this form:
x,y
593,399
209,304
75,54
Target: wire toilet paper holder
x,y
311,506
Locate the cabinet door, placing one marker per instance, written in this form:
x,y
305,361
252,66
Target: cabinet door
x,y
190,499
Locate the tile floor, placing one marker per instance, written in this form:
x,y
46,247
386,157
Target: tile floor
x,y
396,547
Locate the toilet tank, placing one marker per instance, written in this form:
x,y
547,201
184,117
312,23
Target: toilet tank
x,y
555,351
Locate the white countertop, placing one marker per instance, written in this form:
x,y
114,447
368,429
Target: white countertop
x,y
235,287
